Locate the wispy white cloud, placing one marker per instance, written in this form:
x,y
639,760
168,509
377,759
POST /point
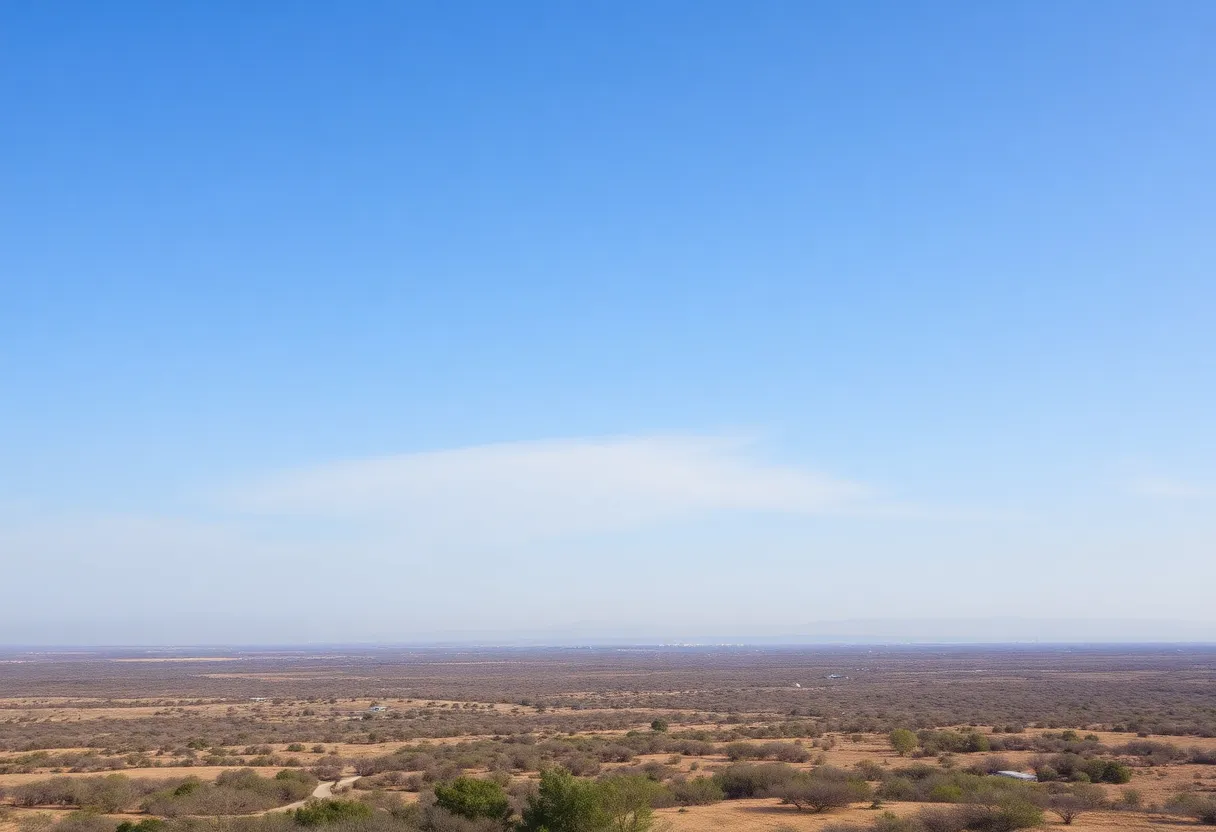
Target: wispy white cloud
x,y
527,489
392,547
1165,488
508,516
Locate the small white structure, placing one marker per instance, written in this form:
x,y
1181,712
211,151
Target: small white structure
x,y
797,685
378,708
1018,775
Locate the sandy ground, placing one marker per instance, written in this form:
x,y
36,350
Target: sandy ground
x,y
769,816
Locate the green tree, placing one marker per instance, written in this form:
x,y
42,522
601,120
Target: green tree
x,y
627,802
564,803
471,798
903,741
658,725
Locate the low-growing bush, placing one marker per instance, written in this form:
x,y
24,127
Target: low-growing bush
x,y
1081,769
819,794
698,791
1082,798
84,821
1201,808
743,780
330,811
1004,817
1152,751
935,742
472,799
870,770
235,792
145,825
786,752
109,793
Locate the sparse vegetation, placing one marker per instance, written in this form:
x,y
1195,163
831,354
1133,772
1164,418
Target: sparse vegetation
x,y
620,750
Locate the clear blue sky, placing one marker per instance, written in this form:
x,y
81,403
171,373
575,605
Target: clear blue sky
x,y
375,321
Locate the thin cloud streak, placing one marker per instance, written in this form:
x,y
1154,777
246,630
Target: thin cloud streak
x,y
552,488
1165,488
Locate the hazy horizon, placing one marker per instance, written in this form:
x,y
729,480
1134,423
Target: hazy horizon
x,y
863,632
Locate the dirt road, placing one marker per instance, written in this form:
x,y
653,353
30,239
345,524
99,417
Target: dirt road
x,y
321,792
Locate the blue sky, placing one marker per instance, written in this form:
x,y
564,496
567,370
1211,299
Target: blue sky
x,y
653,319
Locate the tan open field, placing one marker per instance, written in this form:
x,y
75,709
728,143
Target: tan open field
x,y
763,816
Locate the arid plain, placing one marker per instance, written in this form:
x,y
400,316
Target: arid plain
x,y
718,737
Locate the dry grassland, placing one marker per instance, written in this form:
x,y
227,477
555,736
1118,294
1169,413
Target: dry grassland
x,y
169,717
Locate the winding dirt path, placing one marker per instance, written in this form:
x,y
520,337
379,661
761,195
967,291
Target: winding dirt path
x,y
321,792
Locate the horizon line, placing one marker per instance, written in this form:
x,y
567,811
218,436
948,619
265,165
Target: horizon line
x,y
603,644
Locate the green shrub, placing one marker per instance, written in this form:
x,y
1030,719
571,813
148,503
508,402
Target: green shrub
x,y
946,793
959,742
698,791
190,786
1009,815
145,825
329,811
471,798
897,788
743,780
